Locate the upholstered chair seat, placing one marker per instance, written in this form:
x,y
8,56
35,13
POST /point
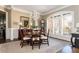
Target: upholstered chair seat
x,y
37,38
43,37
26,38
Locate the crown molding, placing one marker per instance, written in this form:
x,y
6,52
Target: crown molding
x,y
16,9
21,10
26,11
3,6
56,10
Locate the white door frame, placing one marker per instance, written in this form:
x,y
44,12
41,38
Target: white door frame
x,y
6,18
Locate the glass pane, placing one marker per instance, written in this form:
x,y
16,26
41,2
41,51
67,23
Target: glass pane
x,y
67,24
57,25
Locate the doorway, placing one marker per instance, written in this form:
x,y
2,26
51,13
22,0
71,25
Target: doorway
x,y
2,27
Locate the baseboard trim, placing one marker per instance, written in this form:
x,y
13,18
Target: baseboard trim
x,y
9,40
58,39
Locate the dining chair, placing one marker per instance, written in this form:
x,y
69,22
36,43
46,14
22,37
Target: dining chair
x,y
44,38
36,38
25,36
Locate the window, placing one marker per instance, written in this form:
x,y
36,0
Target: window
x,y
63,23
67,23
57,26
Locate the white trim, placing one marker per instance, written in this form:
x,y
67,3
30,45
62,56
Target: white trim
x,y
56,10
11,33
16,9
73,21
65,37
53,25
3,6
6,19
8,33
2,10
21,10
26,11
62,24
61,14
15,33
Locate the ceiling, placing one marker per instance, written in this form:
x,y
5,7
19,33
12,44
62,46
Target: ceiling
x,y
40,8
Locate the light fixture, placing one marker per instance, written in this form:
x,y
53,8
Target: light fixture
x,y
20,24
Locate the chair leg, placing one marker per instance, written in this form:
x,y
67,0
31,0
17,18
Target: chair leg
x,y
32,46
21,44
47,42
39,44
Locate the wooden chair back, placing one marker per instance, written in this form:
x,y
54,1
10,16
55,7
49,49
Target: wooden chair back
x,y
36,33
27,32
21,34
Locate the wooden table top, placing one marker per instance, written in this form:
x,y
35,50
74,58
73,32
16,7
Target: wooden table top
x,y
69,49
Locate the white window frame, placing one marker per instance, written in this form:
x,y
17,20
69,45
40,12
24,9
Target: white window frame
x,y
61,14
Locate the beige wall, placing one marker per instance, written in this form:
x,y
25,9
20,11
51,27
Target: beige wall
x,y
1,8
13,17
16,18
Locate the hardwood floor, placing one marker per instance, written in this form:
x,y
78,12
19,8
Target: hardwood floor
x,y
14,47
69,49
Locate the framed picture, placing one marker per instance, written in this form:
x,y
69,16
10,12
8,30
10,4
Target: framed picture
x,y
25,21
